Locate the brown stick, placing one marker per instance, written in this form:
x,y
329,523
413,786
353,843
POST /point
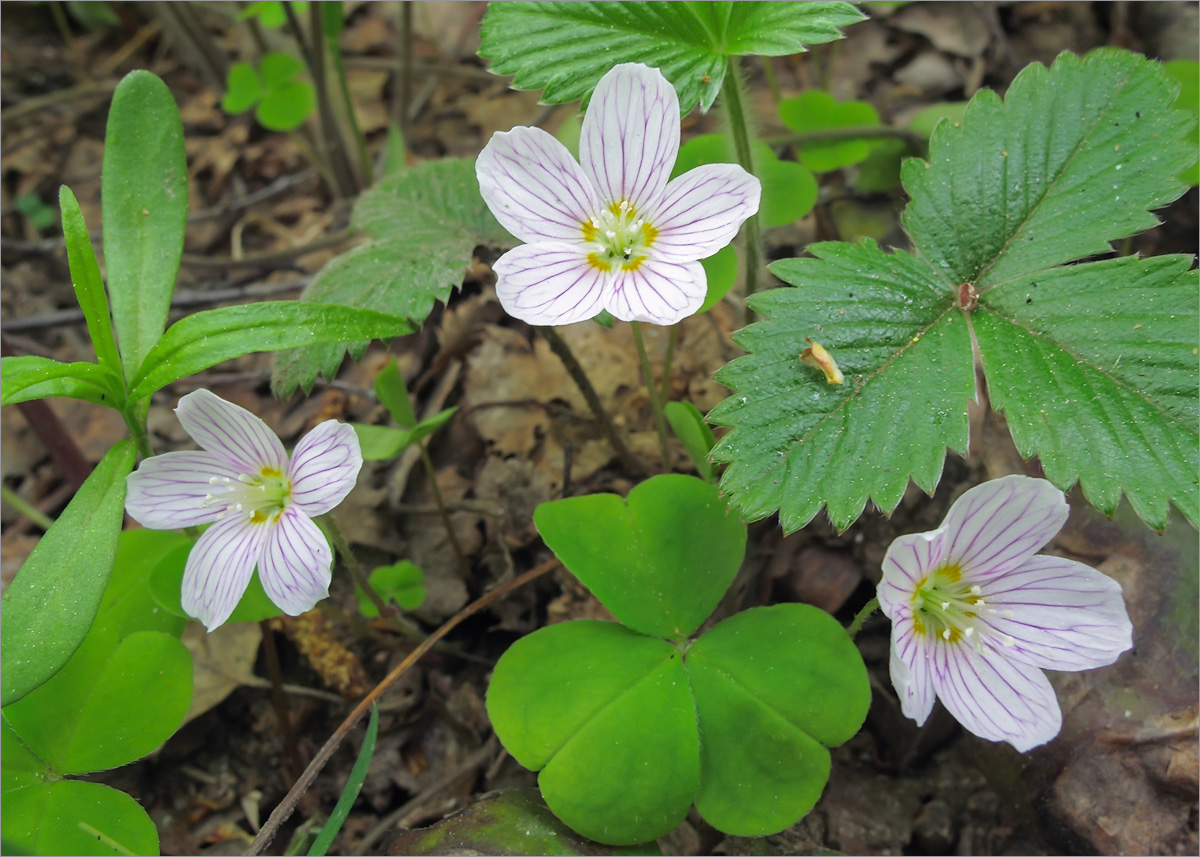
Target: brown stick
x,y
288,804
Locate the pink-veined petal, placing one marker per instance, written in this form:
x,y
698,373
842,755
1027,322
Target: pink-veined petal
x,y
909,559
996,526
1060,614
294,569
168,491
630,135
219,568
995,697
658,292
549,284
701,211
909,667
324,467
534,187
230,432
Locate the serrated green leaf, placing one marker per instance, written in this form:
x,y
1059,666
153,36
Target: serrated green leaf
x,y
925,120
565,48
1095,368
660,559
590,704
89,287
817,110
73,817
143,194
1068,163
799,442
755,676
689,426
32,377
50,605
426,221
243,88
204,339
287,108
1071,160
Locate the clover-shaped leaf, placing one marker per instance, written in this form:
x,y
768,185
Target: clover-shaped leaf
x,y
817,110
283,102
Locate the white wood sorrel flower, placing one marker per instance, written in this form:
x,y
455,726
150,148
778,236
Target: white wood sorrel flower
x,y
976,616
260,504
610,233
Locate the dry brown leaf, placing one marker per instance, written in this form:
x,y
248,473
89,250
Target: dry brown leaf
x,y
222,660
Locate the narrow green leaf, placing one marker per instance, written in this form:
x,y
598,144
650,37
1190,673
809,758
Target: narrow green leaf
x,y
89,287
354,785
333,21
144,192
389,387
606,715
32,377
1095,368
53,600
426,221
380,443
73,817
755,677
689,426
660,559
1072,159
565,48
204,339
799,442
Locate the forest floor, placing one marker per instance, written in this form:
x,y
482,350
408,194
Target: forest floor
x,y
1122,777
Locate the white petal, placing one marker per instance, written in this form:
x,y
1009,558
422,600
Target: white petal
x,y
295,565
534,187
909,666
219,568
230,432
1060,614
995,697
996,526
324,467
702,210
658,292
630,135
549,284
908,561
168,491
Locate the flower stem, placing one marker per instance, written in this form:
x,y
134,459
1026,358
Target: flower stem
x,y
356,570
672,337
24,507
559,346
660,422
861,617
441,505
733,100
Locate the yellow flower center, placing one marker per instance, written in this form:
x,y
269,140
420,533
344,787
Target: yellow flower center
x,y
618,238
947,608
261,496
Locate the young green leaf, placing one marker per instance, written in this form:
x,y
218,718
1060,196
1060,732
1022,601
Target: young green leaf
x,y
565,48
89,287
401,583
762,739
1070,161
393,394
426,221
660,559
53,600
605,714
288,107
207,338
817,110
354,783
143,194
243,88
32,377
689,426
73,817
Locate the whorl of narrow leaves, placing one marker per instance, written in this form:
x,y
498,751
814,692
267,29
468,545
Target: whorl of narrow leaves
x,y
565,48
1094,364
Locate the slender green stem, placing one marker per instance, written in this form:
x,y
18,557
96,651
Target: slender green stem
x,y
672,337
441,504
733,100
915,142
24,507
360,142
861,617
559,346
356,570
772,82
660,421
